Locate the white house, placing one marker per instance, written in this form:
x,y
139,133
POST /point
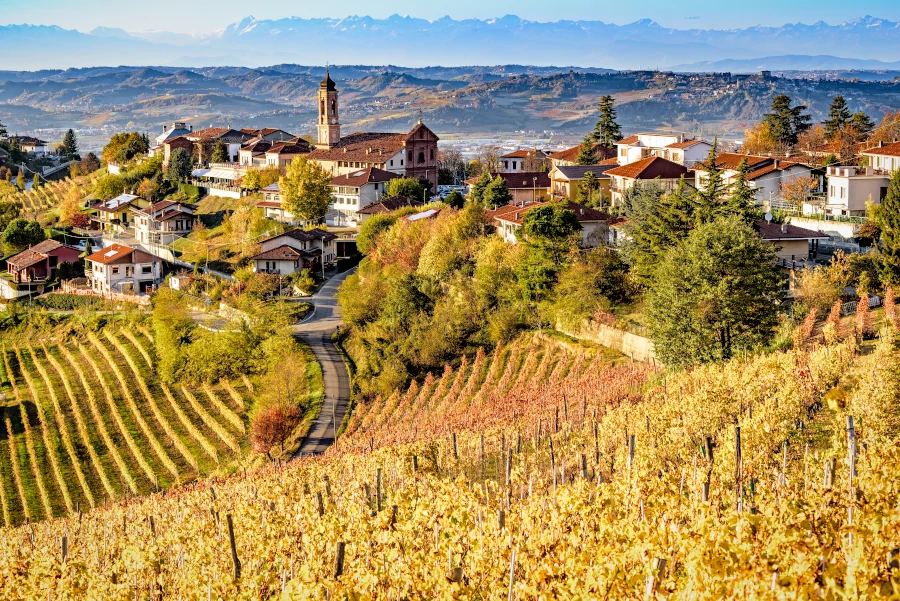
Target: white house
x,y
515,162
163,222
672,147
656,170
178,128
31,145
594,223
849,188
355,191
885,157
272,206
294,251
119,268
766,175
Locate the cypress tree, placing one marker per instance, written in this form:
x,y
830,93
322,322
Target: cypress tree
x,y
742,202
607,131
70,143
838,117
888,218
586,154
708,197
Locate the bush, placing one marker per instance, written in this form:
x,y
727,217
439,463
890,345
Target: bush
x,y
191,192
71,302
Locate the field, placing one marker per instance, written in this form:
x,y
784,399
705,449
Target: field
x,y
37,203
85,423
538,471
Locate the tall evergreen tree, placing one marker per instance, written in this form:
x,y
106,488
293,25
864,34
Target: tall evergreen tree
x,y
496,194
607,131
2,130
888,219
589,183
861,122
742,202
709,195
787,122
838,117
586,154
219,152
476,191
69,144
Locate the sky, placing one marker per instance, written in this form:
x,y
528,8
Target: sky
x,y
192,16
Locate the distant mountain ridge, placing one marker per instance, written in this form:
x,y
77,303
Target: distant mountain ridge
x,y
419,42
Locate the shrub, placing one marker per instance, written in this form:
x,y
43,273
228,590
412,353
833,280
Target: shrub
x,y
271,427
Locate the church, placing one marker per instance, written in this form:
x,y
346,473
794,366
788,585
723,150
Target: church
x,y
413,154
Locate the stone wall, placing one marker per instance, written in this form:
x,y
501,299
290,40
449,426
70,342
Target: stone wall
x,y
629,344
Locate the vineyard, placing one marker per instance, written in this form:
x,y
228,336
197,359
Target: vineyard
x,y
85,423
49,195
535,472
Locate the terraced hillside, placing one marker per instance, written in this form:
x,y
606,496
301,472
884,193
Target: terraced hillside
x,y
84,423
50,195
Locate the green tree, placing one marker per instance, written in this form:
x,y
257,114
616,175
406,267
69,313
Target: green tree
x,y
552,228
35,182
70,143
123,147
587,155
219,152
20,179
306,190
787,122
742,202
496,194
21,233
838,117
861,122
607,131
716,292
476,191
8,212
178,169
405,187
589,184
109,186
710,193
455,199
888,219
3,131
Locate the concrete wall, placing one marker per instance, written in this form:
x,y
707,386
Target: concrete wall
x,y
629,344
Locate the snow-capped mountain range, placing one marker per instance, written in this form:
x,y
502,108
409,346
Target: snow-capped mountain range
x,y
418,42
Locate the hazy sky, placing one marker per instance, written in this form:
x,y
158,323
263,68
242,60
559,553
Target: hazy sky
x,y
195,16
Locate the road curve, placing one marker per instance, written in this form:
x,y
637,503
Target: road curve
x,y
316,331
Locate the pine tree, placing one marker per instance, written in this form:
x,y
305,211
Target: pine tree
x,y
476,191
589,183
607,131
586,154
838,117
2,130
742,202
709,195
861,122
219,152
787,122
496,194
888,218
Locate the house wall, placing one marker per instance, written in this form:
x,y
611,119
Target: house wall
x,y
108,278
794,250
280,267
850,194
694,154
888,163
620,185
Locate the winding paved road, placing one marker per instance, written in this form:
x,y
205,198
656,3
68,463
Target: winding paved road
x,y
316,331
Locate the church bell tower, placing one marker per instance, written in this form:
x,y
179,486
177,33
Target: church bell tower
x,y
328,127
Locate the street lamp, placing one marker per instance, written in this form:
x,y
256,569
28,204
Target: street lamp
x,y
534,190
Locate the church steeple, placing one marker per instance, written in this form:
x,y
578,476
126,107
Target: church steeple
x,y
329,126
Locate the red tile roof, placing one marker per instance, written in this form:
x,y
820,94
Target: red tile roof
x,y
651,168
629,140
289,148
778,231
364,147
732,160
36,253
119,253
369,175
612,161
391,204
570,154
514,213
523,153
284,253
886,150
772,167
687,144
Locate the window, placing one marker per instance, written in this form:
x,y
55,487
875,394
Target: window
x,y
421,158
832,191
401,162
514,165
115,270
506,164
622,152
392,162
146,269
432,154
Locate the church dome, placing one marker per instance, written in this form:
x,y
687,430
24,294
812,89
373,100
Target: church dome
x,y
327,83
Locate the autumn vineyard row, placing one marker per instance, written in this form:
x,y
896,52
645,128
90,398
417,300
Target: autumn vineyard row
x,y
535,472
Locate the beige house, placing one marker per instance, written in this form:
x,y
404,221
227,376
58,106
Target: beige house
x,y
122,269
672,147
522,161
792,243
355,191
525,186
766,175
850,188
655,170
163,222
294,251
565,180
114,215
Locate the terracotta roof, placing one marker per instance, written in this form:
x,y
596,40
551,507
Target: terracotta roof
x,y
613,161
521,181
886,150
731,160
36,253
570,154
225,134
167,215
629,140
687,144
651,168
288,148
577,172
523,153
268,204
259,146
369,175
772,167
118,253
514,213
778,231
28,141
262,132
391,204
284,253
366,147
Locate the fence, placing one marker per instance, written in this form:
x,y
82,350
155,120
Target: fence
x,y
849,308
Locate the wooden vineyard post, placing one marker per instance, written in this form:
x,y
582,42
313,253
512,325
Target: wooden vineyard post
x,y
339,560
415,459
738,487
393,516
320,507
65,547
657,571
234,556
584,466
501,519
705,492
596,444
851,453
378,489
509,459
481,458
455,448
630,451
512,574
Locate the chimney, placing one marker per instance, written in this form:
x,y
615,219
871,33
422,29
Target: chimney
x,y
777,163
581,211
517,214
192,128
165,128
880,143
783,228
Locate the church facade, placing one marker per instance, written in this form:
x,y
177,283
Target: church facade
x,y
413,154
